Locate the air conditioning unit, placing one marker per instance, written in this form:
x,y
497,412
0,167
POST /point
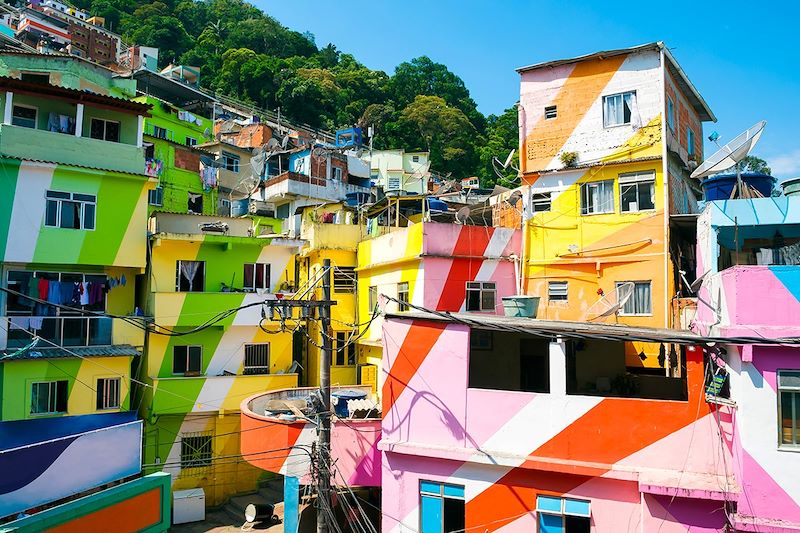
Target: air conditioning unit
x,y
262,209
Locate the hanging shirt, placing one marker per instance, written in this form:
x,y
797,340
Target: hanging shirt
x,y
43,286
54,292
66,292
84,293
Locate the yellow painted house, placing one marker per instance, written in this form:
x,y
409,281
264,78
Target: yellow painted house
x,y
608,141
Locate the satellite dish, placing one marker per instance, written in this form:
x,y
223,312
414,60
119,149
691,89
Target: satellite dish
x,y
273,144
610,305
285,142
508,159
462,215
732,153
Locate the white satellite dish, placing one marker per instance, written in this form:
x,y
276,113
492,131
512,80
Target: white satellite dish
x,y
732,153
462,215
611,304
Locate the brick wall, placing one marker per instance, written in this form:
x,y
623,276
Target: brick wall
x,y
187,159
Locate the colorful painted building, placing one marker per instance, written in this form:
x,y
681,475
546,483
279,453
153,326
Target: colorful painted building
x,y
73,229
748,260
396,170
210,348
607,142
511,424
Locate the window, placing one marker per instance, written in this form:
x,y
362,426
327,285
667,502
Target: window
x,y
541,202
345,349
156,196
190,276
195,450
49,397
637,192
372,299
195,203
597,197
617,109
160,132
224,207
640,302
35,77
690,141
550,112
563,515
70,210
191,141
557,291
187,360
108,393
481,295
402,295
393,183
344,279
256,276
415,158
337,173
24,116
230,162
670,114
789,407
256,358
105,130
441,507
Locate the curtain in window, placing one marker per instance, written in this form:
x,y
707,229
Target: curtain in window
x,y
639,302
636,119
612,111
189,271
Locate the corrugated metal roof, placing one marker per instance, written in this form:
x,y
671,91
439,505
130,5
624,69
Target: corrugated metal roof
x,y
57,91
118,350
137,174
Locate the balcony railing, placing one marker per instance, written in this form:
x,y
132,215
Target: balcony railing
x,y
60,330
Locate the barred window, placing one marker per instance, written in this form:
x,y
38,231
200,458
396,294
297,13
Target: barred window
x,y
196,450
256,358
108,393
344,279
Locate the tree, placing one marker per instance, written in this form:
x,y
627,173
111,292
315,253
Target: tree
x,y
752,163
431,124
502,136
154,25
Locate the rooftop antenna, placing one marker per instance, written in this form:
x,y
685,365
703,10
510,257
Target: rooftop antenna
x,y
731,155
610,305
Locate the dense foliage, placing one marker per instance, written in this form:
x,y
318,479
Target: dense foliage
x,y
245,53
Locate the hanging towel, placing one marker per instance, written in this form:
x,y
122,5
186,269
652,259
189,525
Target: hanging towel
x,y
84,293
43,286
36,323
20,322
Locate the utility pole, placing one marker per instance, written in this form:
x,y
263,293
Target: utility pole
x,y
324,444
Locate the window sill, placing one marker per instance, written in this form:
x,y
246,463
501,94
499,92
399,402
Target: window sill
x,y
637,314
613,126
789,448
637,212
603,213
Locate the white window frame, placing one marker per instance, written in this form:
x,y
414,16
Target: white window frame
x,y
403,295
84,202
649,312
35,120
541,202
588,186
372,298
337,173
157,129
109,393
484,289
191,141
231,162
265,276
52,397
636,179
607,122
398,181
260,357
550,112
155,197
792,390
178,274
563,512
557,291
415,159
105,122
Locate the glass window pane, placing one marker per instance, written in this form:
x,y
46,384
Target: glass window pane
x,y
70,215
88,216
249,275
96,130
430,487
549,523
487,300
548,503
179,359
788,378
576,507
454,491
577,524
195,359
453,515
646,196
112,131
61,396
51,215
431,514
259,276
473,301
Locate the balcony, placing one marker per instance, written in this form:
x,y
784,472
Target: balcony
x,y
28,143
293,185
332,236
268,425
75,331
169,396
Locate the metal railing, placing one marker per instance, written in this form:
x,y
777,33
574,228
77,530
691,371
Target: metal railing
x,y
60,330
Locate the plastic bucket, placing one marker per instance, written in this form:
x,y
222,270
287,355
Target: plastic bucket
x,y
340,401
522,306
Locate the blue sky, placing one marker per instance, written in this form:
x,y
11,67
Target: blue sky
x,y
742,56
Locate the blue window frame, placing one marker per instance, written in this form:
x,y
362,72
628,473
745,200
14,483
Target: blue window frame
x,y
563,515
690,141
670,114
441,507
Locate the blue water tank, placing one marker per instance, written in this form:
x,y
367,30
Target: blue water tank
x,y
341,398
434,204
719,187
354,199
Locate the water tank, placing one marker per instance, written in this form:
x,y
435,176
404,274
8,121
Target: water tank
x,y
791,187
434,204
719,187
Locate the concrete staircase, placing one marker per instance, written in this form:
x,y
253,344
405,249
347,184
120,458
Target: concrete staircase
x,y
270,492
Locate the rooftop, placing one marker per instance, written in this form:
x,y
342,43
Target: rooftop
x,y
30,353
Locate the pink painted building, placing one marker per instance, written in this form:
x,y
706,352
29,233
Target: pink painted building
x,y
748,254
494,423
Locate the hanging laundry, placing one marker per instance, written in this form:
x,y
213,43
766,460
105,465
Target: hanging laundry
x,y
153,167
208,176
84,293
20,322
54,292
123,280
36,323
76,294
65,288
43,285
31,291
